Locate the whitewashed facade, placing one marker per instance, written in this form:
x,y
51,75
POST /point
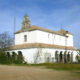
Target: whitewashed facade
x,y
40,45
38,36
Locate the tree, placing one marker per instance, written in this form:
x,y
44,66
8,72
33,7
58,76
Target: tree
x,y
5,41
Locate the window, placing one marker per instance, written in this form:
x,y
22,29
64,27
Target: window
x,y
25,38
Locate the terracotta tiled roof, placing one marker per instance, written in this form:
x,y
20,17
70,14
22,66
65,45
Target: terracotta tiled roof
x,y
40,45
42,29
62,31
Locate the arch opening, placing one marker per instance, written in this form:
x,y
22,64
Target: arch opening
x,y
65,60
20,57
68,57
8,55
56,56
61,57
14,57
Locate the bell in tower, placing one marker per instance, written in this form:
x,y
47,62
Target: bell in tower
x,y
26,23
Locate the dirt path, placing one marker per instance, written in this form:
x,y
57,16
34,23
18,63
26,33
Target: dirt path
x,y
34,73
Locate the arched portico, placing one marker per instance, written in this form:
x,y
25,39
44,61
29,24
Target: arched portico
x,y
56,56
61,56
68,57
65,58
14,56
20,57
71,57
19,52
8,55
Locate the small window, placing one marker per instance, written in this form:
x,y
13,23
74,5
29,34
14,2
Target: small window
x,y
25,38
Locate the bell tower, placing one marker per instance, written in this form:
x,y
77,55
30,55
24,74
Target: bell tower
x,y
26,23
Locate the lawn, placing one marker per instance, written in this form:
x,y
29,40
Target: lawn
x,y
55,66
64,66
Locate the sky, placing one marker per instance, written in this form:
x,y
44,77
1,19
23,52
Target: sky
x,y
50,14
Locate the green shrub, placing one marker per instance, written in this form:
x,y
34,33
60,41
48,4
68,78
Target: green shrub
x,y
20,58
3,58
11,59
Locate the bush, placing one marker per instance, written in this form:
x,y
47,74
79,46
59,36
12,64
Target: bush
x,y
11,59
3,58
20,58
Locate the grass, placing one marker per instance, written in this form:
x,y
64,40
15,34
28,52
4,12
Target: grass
x,y
69,67
61,66
55,66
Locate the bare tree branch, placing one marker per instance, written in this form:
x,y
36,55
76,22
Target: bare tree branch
x,y
5,41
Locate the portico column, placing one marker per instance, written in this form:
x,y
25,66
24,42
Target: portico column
x,y
66,57
58,57
71,58
63,57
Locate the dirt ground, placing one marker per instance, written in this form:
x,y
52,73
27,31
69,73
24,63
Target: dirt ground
x,y
34,73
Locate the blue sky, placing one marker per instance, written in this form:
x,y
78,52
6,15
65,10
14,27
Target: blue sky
x,y
51,14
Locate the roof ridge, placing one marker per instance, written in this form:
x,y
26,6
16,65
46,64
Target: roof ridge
x,y
43,29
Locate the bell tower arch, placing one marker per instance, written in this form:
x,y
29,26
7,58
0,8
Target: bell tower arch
x,y
26,23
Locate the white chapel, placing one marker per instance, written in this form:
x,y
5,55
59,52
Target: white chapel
x,y
40,45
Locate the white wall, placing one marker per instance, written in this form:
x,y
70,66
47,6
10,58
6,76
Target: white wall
x,y
30,54
38,36
70,40
49,38
31,37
